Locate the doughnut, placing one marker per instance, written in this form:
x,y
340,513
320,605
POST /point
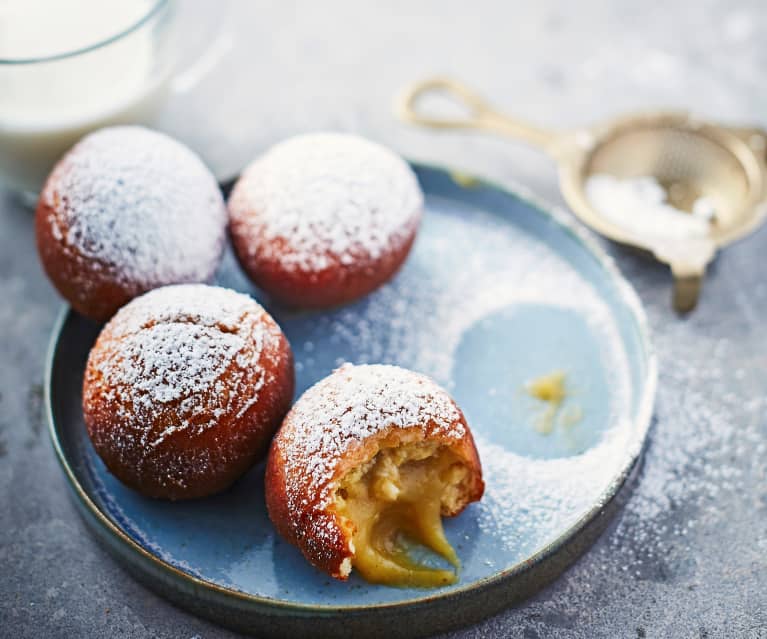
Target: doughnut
x,y
366,456
184,388
127,210
323,219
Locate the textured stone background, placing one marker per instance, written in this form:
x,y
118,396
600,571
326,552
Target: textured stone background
x,y
687,557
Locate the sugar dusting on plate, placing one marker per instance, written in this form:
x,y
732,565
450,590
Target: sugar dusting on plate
x,y
463,271
468,264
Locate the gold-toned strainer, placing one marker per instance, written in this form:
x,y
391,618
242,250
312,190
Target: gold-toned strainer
x,y
690,158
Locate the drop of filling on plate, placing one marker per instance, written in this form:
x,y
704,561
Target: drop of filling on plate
x,y
570,416
395,503
551,389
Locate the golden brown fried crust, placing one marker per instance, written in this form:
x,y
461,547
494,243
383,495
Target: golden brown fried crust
x,y
314,528
299,509
92,186
186,464
333,285
87,284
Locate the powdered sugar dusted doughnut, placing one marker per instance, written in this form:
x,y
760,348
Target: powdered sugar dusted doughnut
x,y
360,446
184,388
125,211
325,218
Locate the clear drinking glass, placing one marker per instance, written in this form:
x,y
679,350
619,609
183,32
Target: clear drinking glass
x,y
48,102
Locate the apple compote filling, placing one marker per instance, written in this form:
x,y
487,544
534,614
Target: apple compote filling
x,y
396,499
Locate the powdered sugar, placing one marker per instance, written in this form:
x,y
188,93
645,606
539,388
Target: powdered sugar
x,y
418,321
139,205
326,197
167,362
198,304
181,356
640,206
708,451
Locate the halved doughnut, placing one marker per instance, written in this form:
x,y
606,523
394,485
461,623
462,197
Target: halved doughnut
x,y
368,458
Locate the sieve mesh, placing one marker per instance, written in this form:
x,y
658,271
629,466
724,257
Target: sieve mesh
x,y
688,163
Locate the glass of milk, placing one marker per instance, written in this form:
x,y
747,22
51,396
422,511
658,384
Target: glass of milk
x,y
70,66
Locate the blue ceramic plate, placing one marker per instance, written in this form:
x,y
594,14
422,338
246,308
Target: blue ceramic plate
x,y
497,291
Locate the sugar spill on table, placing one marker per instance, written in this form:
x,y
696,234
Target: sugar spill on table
x,y
692,459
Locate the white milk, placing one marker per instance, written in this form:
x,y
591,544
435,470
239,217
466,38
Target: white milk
x,y
45,107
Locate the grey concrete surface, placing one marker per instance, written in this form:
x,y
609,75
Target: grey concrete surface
x,y
688,555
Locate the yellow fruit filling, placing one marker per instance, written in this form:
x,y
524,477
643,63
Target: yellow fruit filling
x,y
396,499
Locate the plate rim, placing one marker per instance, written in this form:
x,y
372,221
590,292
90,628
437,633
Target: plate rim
x,y
626,294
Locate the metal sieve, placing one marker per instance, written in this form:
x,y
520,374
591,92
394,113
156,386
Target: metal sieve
x,y
689,157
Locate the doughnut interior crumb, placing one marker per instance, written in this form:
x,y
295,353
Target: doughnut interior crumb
x,y
399,496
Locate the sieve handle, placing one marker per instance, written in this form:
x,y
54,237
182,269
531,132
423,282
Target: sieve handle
x,y
480,114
